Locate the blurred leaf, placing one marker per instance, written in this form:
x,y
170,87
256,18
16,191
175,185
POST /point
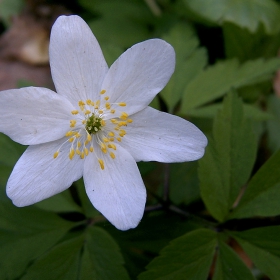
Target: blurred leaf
x,y
111,53
229,266
9,8
62,202
241,44
229,158
246,13
250,112
101,258
190,60
189,255
273,125
26,233
218,79
262,194
93,255
184,182
262,245
121,23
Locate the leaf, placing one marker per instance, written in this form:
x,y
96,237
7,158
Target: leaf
x,y
91,255
190,254
229,158
184,182
190,60
25,234
262,245
61,262
8,8
273,125
101,258
122,23
261,197
247,13
250,112
229,266
218,79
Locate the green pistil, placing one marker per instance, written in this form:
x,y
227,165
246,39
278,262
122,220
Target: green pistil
x,y
93,124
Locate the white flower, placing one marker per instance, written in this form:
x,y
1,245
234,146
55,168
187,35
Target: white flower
x,y
97,125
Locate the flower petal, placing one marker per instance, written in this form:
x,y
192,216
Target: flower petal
x,y
139,74
77,64
117,191
37,175
34,115
162,137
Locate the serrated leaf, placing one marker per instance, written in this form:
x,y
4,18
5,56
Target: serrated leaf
x,y
247,13
261,197
61,262
262,245
229,266
101,257
190,60
187,256
26,233
229,158
218,79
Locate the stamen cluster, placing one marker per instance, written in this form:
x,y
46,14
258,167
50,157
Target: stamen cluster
x,y
90,125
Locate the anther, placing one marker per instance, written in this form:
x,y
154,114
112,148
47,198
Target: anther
x,y
123,104
74,112
112,155
55,154
102,91
89,102
106,98
72,153
73,123
113,111
101,163
111,134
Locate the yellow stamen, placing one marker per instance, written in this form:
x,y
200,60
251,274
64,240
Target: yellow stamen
x,y
108,106
86,151
112,134
106,98
112,146
103,148
100,112
102,91
74,112
103,123
89,102
71,153
55,154
91,149
71,139
129,120
69,133
112,155
78,152
82,155
87,112
123,104
101,163
113,111
73,123
89,137
119,139
79,144
105,139
81,103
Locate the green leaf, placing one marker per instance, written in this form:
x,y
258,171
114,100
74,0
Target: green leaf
x,y
122,23
273,125
262,245
246,13
8,8
229,158
229,266
261,197
61,262
189,255
26,233
250,112
91,255
62,202
218,79
184,182
190,60
101,258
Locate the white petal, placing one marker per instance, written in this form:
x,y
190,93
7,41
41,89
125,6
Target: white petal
x,y
37,175
117,191
162,137
139,74
34,115
77,63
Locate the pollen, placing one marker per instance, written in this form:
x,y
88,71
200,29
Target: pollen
x,y
95,124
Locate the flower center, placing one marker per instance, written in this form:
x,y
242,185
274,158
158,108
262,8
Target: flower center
x,y
90,126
